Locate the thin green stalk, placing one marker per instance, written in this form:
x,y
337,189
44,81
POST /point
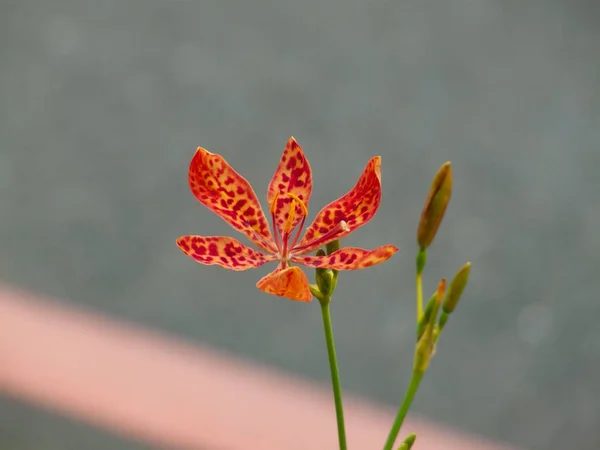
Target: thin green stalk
x,y
335,376
421,261
408,398
419,297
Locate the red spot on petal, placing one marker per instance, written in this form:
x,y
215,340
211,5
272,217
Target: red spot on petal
x,y
229,251
338,216
239,204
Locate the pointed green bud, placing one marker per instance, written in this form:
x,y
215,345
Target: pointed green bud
x,y
424,321
443,320
333,246
435,206
325,281
408,442
457,286
314,290
423,353
325,278
426,343
439,295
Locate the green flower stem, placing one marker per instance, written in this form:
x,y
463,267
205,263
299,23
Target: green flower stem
x,y
335,376
419,297
413,386
421,262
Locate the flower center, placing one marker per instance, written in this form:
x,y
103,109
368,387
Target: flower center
x,y
293,206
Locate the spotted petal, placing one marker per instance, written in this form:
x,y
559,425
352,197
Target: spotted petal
x,y
347,213
224,191
291,283
292,176
223,251
349,258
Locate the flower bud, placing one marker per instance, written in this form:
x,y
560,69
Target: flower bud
x,y
408,442
426,343
435,206
326,279
457,286
332,246
424,320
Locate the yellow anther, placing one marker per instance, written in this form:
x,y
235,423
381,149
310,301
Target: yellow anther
x,y
302,204
273,204
290,221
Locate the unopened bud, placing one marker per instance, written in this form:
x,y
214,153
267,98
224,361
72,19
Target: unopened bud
x,y
333,246
457,286
424,321
408,442
325,278
426,343
435,206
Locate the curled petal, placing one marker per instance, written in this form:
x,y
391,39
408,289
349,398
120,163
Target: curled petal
x,y
353,210
223,251
291,283
224,191
292,176
349,258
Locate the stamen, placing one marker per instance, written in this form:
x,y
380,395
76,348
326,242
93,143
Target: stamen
x,y
289,223
290,220
341,228
298,231
302,204
273,208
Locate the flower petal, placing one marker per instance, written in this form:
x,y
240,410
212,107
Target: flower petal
x,y
223,251
292,176
224,191
355,208
349,258
291,283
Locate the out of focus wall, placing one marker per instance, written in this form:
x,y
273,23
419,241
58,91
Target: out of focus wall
x,y
103,103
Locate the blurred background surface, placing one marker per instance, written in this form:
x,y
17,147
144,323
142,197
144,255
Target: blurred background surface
x,y
102,105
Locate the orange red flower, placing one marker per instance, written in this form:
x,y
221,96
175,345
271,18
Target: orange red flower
x,y
225,192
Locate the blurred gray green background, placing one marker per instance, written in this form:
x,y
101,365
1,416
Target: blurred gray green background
x,y
102,104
